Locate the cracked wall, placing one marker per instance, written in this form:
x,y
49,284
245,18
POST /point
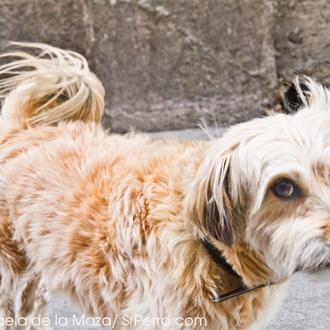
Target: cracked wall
x,y
171,64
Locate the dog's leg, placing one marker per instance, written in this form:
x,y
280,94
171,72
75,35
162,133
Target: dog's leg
x,y
21,297
40,308
22,306
30,304
6,303
12,263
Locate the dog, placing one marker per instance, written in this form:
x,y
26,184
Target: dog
x,y
154,234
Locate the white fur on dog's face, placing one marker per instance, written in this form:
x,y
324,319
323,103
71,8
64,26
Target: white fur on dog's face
x,y
291,234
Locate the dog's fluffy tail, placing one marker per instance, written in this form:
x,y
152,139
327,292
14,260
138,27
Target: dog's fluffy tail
x,y
54,86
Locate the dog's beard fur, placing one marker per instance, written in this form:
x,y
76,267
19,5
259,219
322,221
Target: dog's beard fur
x,y
119,220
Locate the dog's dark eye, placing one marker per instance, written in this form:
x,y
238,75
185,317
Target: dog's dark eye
x,y
286,189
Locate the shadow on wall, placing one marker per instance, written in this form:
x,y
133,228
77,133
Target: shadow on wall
x,y
169,64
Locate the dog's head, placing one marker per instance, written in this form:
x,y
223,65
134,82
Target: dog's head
x,y
266,184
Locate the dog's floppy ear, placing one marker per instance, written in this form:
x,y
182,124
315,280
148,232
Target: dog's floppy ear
x,y
305,92
295,96
210,203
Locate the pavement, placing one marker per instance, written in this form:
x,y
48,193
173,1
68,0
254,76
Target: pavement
x,y
306,306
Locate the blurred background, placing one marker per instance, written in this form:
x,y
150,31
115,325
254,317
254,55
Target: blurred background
x,y
169,64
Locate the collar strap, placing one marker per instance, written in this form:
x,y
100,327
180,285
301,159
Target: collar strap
x,y
219,258
221,261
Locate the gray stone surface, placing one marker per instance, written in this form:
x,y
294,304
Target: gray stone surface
x,y
301,38
166,64
306,306
173,63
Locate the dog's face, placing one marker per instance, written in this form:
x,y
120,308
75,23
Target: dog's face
x,y
266,184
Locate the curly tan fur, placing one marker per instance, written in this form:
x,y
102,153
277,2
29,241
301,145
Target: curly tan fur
x,y
52,86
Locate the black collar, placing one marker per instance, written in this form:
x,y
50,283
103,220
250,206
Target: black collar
x,y
219,258
221,261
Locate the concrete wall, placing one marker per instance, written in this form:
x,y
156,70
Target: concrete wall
x,y
167,64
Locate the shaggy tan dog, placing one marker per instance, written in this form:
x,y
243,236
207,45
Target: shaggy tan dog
x,y
152,233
